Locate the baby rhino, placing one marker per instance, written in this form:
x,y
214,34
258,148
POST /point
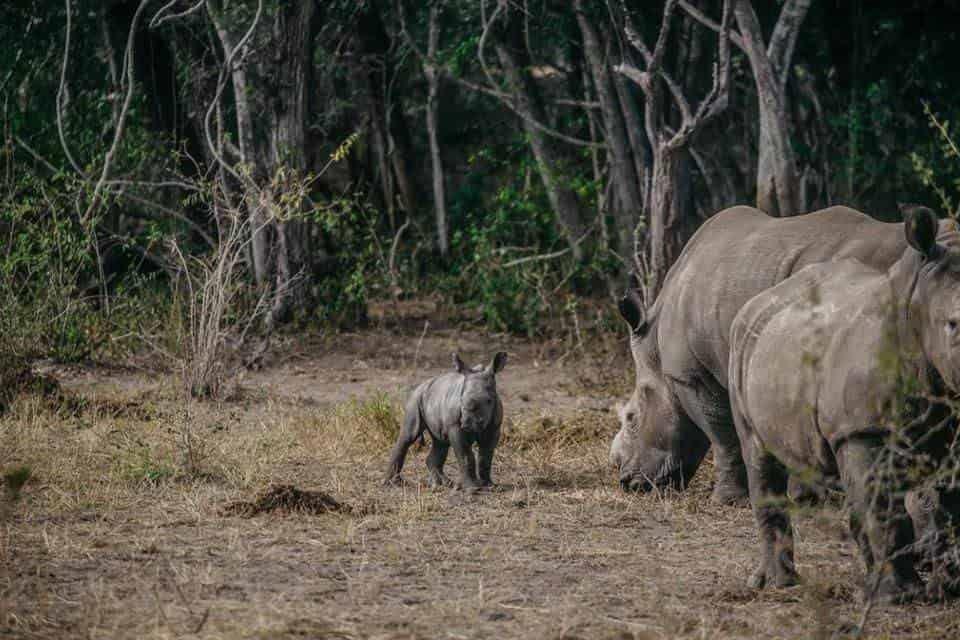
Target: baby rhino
x,y
458,409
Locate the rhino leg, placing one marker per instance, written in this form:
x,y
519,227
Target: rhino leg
x,y
485,448
879,522
409,433
435,462
805,492
708,405
768,490
468,463
934,513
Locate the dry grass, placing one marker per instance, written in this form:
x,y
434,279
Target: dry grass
x,y
112,538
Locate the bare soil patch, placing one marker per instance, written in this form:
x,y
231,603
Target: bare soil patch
x,y
111,538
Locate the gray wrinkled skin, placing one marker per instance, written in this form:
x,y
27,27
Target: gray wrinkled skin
x,y
680,406
811,386
459,410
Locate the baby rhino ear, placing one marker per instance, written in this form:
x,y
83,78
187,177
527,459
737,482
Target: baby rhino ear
x,y
498,363
458,364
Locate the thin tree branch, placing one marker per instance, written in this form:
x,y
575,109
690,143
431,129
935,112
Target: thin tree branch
x,y
784,38
221,84
121,122
60,90
481,46
705,20
159,18
550,256
36,156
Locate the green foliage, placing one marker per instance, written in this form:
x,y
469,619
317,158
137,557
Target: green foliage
x,y
342,289
510,264
45,263
938,165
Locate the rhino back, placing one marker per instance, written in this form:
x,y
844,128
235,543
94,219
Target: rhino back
x,y
439,400
797,352
741,252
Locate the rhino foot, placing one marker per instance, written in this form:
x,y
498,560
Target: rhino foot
x,y
730,494
773,573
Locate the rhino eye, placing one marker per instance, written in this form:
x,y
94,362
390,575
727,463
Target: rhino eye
x,y
630,416
952,327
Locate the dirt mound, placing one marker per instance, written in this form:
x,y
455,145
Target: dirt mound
x,y
286,498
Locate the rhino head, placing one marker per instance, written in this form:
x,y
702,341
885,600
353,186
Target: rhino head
x,y
478,399
657,445
934,306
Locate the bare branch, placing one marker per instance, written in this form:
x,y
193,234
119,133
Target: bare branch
x,y
60,90
656,60
784,38
705,20
33,153
552,255
481,46
719,96
221,84
121,122
159,18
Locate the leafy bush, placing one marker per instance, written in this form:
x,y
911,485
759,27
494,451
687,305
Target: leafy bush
x,y
46,264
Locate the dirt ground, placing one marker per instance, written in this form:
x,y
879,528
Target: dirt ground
x,y
125,528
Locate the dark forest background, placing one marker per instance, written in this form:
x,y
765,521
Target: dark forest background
x,y
196,176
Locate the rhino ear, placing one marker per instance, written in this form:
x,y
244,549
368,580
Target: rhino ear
x,y
921,226
498,363
631,307
458,364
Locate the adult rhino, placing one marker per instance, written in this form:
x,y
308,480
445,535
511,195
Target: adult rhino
x,y
831,366
680,406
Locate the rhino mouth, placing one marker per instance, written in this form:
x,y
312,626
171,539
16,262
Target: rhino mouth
x,y
670,475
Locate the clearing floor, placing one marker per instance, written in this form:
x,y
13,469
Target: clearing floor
x,y
129,527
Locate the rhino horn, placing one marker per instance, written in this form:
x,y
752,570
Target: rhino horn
x,y
631,307
920,227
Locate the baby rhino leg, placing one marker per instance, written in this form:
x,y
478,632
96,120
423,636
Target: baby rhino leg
x,y
435,462
468,465
486,447
409,433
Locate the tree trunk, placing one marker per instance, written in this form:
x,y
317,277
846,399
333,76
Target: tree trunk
x,y
639,145
550,162
670,212
292,71
623,173
433,117
390,135
778,189
260,240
